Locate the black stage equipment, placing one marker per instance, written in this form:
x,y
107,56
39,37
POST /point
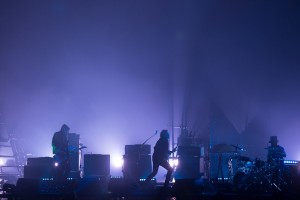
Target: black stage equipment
x,y
138,148
38,188
188,151
188,188
136,166
92,187
219,156
188,167
120,187
27,188
73,140
188,162
40,167
96,165
40,161
137,161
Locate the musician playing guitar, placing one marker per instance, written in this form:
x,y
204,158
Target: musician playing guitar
x,y
61,153
160,157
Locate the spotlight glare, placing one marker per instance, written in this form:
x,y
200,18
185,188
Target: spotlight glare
x,y
173,162
118,162
56,164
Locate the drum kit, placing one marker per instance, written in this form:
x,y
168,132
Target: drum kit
x,y
255,176
259,176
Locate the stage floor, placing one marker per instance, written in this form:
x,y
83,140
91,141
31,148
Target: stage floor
x,y
120,190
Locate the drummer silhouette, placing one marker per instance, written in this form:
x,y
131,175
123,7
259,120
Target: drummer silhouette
x,y
276,153
275,160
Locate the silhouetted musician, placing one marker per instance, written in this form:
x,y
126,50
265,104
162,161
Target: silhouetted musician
x,y
160,157
61,153
276,153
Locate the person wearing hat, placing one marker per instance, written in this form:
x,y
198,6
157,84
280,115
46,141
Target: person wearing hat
x,y
276,153
61,153
160,157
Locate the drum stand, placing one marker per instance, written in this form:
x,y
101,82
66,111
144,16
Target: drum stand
x,y
220,149
220,170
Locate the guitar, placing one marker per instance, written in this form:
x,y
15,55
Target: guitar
x,y
170,152
74,149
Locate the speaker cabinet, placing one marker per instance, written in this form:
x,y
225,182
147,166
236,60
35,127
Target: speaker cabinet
x,y
37,172
74,151
136,166
40,161
188,151
188,167
138,149
96,165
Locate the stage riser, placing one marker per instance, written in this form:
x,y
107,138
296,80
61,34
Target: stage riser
x,y
86,187
92,186
38,172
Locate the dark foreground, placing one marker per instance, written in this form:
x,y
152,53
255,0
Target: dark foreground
x,y
120,189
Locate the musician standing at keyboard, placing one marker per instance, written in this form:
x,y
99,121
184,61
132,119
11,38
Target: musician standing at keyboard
x,y
160,157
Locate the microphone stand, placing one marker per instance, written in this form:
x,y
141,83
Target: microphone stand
x,y
149,138
139,149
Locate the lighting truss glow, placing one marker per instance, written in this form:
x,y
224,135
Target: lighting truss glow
x,y
225,178
47,179
173,162
291,162
1,162
116,177
143,179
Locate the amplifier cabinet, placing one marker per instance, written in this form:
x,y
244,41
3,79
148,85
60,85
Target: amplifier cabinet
x,y
40,161
138,149
188,167
74,151
38,172
188,151
137,166
96,165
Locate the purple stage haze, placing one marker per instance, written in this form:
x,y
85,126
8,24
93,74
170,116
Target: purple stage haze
x,y
117,71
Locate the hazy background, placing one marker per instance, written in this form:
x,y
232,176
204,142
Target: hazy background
x,y
117,71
